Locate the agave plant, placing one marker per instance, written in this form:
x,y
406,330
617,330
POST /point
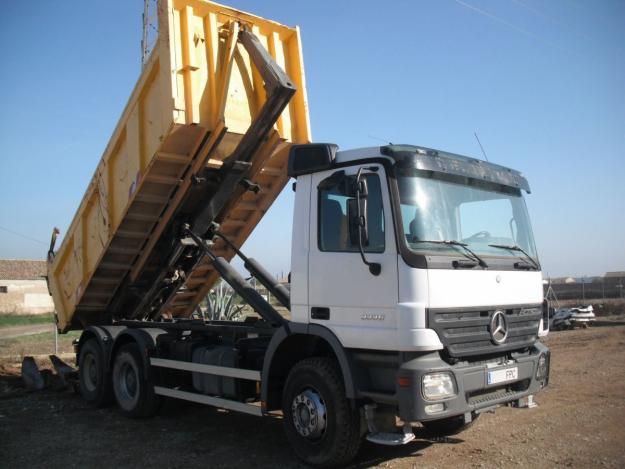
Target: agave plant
x,y
220,305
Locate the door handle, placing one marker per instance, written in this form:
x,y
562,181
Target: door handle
x,y
317,312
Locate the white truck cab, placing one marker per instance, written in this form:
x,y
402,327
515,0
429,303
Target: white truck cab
x,y
422,264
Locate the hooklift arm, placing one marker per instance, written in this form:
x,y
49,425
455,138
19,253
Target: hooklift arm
x,y
220,190
238,283
279,90
256,269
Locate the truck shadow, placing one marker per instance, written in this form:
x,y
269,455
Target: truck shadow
x,y
182,434
373,455
265,441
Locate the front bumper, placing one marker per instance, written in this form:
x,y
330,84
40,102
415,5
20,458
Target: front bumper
x,y
473,393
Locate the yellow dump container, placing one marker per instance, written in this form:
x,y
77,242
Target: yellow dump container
x,y
197,95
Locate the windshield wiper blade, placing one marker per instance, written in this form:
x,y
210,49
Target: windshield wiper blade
x,y
453,242
514,247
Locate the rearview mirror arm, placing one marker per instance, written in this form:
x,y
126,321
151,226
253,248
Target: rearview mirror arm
x,y
374,267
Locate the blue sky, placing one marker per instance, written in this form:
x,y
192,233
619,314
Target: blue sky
x,y
542,83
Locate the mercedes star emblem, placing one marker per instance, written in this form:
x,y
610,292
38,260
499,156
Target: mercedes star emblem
x,y
498,327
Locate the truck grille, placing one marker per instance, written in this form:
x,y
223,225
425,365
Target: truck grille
x,y
467,332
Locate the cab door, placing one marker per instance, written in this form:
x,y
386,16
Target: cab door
x,y
344,296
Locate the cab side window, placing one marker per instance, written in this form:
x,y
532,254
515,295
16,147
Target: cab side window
x,y
333,223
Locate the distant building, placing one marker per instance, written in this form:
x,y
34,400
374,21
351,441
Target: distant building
x,y
614,275
557,280
615,280
23,288
611,285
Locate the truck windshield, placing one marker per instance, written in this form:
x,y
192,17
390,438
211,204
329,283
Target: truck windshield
x,y
482,215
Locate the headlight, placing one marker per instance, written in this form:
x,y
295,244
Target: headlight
x,y
543,367
438,386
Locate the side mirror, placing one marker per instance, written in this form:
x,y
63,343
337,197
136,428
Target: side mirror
x,y
357,217
360,187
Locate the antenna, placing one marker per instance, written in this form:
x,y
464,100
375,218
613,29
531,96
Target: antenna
x,y
480,144
380,139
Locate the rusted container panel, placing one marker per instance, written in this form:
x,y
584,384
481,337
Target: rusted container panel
x,y
196,97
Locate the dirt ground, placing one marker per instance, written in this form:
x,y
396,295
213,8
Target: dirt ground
x,y
579,422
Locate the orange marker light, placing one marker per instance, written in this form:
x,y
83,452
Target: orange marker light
x,y
404,382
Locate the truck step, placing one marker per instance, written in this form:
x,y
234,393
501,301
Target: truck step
x,y
395,437
392,439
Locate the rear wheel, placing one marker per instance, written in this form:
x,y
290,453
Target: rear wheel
x,y
94,378
322,425
449,426
134,392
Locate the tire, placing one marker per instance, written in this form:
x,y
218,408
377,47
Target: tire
x,y
94,379
133,392
449,426
321,424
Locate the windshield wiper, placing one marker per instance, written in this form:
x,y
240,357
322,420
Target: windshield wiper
x,y
453,242
515,247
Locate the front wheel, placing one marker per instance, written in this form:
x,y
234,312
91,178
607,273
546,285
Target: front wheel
x,y
449,426
322,425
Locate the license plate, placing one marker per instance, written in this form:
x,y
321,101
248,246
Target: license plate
x,y
502,375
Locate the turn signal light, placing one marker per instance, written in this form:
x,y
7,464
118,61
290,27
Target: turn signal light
x,y
404,382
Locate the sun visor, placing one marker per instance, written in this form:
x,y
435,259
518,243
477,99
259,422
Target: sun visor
x,y
426,159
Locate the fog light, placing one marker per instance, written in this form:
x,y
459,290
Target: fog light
x,y
433,408
438,386
543,367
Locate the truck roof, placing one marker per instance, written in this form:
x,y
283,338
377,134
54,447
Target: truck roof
x,y
429,159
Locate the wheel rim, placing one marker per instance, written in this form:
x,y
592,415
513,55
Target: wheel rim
x,y
90,372
309,414
127,383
